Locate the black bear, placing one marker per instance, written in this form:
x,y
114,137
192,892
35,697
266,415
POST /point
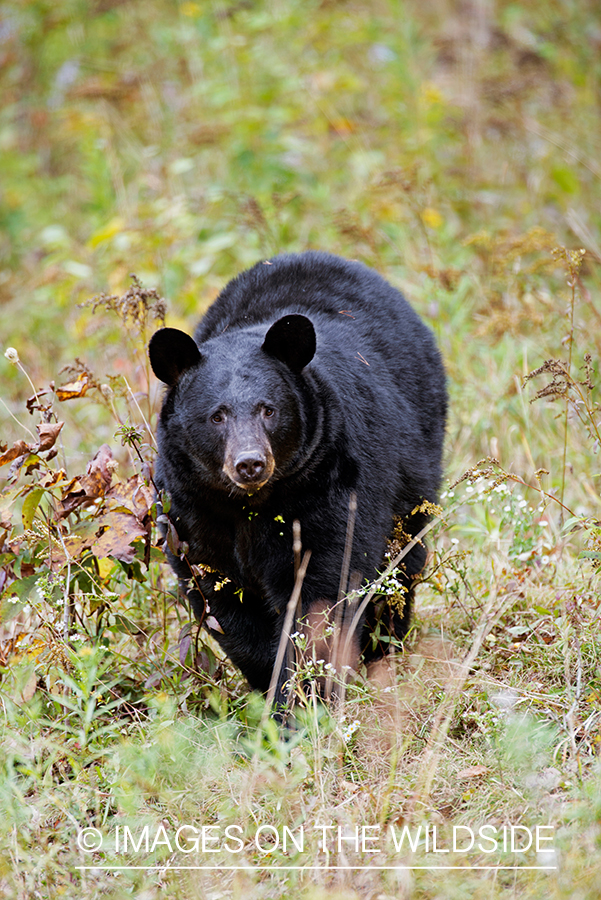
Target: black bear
x,y
309,379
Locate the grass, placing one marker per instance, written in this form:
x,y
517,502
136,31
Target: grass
x,y
182,142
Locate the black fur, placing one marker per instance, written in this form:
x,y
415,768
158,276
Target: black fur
x,y
315,378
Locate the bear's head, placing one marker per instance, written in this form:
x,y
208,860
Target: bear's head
x,y
235,406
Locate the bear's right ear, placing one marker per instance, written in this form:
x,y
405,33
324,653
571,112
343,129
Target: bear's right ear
x,y
171,352
291,340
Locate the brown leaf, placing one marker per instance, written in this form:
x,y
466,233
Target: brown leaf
x,y
472,772
103,464
19,448
51,478
132,495
120,530
48,434
73,547
89,487
73,389
33,403
84,489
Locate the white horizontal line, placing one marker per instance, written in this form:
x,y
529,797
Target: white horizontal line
x,y
318,868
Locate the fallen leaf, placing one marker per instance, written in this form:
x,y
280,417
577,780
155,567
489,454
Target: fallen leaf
x,y
73,545
472,772
184,646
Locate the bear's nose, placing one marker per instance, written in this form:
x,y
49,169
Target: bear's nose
x,y
250,466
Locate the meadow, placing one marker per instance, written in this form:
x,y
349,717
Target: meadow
x,y
149,152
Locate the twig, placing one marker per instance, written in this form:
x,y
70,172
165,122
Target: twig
x,y
341,602
286,628
133,396
296,545
572,285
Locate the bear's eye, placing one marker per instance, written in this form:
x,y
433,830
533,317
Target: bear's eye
x,y
268,412
217,418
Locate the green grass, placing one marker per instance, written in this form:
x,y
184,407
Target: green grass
x,y
451,149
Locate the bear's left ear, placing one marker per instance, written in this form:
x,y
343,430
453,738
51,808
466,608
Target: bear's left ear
x,y
291,340
171,352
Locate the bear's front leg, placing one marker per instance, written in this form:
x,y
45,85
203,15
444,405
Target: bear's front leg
x,y
249,629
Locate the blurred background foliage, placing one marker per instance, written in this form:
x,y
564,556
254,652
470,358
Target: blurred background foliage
x,y
449,144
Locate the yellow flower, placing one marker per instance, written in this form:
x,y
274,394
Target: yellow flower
x,y
431,217
430,93
190,9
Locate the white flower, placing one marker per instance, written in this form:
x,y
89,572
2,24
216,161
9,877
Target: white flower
x,y
12,355
350,730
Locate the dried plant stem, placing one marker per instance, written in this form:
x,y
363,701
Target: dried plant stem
x,y
341,602
285,635
24,371
572,284
67,594
296,545
143,417
12,415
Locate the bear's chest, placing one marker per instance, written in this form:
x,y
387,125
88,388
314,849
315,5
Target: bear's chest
x,y
260,541
249,548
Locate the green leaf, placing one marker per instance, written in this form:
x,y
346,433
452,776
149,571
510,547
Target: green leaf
x,y
566,179
30,504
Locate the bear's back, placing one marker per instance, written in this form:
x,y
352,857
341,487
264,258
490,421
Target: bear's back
x,y
310,282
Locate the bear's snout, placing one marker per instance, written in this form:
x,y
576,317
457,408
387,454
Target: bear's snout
x,y
248,460
250,469
250,466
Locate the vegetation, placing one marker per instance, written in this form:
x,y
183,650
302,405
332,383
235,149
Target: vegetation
x,y
454,147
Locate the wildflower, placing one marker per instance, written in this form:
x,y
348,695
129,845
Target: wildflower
x,y
350,730
12,356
